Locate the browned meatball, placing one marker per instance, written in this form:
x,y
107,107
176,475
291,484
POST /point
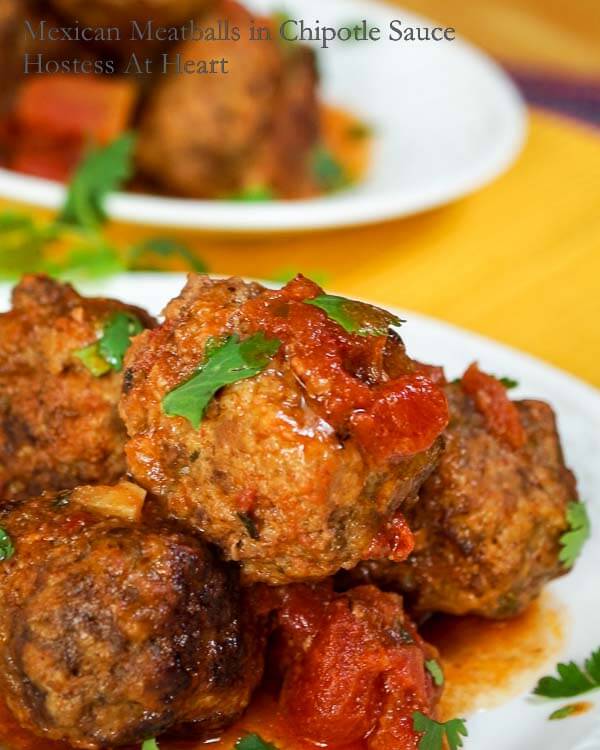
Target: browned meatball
x,y
59,424
214,135
292,472
112,633
120,13
489,520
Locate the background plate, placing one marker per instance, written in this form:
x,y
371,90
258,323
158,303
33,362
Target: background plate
x,y
521,723
446,119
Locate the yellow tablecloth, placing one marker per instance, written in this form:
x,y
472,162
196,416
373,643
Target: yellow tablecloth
x,y
518,261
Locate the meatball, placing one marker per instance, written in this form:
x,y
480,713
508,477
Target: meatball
x,y
354,669
213,136
299,470
59,424
489,520
120,13
112,632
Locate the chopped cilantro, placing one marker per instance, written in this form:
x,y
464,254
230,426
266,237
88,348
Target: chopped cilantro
x,y
435,670
572,541
107,353
283,275
254,194
355,317
228,363
101,172
358,131
434,732
7,549
253,742
572,680
150,745
329,173
564,712
250,525
165,248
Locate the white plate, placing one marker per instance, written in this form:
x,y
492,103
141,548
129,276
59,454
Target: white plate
x,y
447,121
520,724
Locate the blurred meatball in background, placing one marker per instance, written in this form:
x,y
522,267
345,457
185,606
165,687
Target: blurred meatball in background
x,y
215,136
59,424
113,632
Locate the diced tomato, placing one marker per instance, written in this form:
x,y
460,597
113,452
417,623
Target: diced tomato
x,y
71,107
491,399
394,542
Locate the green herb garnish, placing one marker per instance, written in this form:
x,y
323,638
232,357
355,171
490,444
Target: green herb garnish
x,y
75,246
228,363
108,352
249,524
359,131
508,383
7,549
572,680
164,247
572,541
253,742
355,317
254,194
150,745
102,171
329,173
564,712
435,670
434,732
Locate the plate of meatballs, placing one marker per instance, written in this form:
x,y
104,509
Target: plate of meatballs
x,y
254,518
295,131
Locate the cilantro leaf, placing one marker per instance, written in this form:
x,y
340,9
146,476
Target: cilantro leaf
x,y
355,317
254,194
253,742
108,352
165,247
508,383
564,712
329,173
150,745
101,172
228,363
434,732
7,549
572,680
572,541
115,341
435,670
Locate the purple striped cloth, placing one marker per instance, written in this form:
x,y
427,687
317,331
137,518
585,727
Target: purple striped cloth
x,y
576,97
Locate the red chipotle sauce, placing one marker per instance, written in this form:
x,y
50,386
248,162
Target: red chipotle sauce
x,y
362,386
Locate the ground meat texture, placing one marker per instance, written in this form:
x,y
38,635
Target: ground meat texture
x,y
111,633
213,136
353,667
120,13
489,520
266,476
59,425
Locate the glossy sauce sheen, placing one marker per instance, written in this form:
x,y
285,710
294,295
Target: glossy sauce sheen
x,y
486,663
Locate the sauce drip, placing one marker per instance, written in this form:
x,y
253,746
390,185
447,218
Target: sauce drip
x,y
487,662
